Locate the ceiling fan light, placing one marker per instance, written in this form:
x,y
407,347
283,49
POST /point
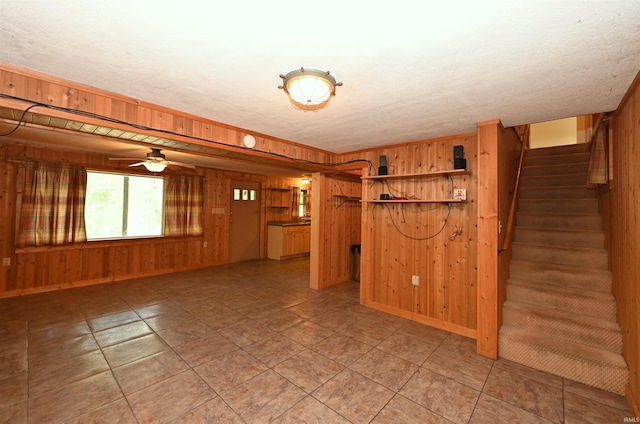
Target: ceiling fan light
x,y
155,166
309,89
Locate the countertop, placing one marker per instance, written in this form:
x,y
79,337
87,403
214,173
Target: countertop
x,y
288,223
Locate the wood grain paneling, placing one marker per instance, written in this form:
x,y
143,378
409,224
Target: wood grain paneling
x,y
488,238
336,226
46,268
508,156
622,207
402,240
122,112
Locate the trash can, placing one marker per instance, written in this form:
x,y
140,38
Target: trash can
x,y
355,262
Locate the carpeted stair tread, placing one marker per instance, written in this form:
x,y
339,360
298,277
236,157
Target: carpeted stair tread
x,y
591,366
555,169
557,192
551,206
559,236
559,315
568,255
560,220
589,302
584,278
567,149
573,327
549,180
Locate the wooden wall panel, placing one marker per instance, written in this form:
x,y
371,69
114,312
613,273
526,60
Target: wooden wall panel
x,y
508,156
402,240
488,238
336,226
33,86
47,268
623,231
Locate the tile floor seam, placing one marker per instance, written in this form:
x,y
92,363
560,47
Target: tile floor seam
x,y
226,297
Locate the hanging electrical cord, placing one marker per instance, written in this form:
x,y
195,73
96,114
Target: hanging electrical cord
x,y
20,121
146,128
444,224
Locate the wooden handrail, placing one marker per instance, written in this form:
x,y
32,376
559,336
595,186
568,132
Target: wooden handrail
x,y
506,245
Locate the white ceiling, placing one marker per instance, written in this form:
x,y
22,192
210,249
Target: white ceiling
x,y
411,70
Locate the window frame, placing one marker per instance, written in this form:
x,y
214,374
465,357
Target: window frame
x,y
124,218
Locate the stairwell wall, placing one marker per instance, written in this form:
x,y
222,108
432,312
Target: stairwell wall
x,y
620,204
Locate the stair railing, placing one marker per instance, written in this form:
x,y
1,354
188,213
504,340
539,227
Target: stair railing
x,y
593,152
524,141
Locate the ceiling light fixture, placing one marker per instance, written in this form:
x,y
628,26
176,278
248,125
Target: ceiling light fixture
x,y
155,166
309,89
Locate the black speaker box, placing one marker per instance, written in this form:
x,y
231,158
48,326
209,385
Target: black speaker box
x,y
382,169
459,162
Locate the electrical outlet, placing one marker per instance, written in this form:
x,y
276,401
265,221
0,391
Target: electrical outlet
x,y
6,261
460,194
205,244
415,280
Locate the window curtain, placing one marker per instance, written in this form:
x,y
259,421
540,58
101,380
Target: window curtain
x,y
183,199
599,162
52,209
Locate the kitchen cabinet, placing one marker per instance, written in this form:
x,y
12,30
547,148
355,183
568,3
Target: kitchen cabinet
x,y
288,239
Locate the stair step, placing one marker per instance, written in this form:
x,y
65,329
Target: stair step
x,y
565,255
594,367
566,149
591,303
559,315
559,180
538,160
555,169
562,275
558,205
575,328
560,220
564,192
559,236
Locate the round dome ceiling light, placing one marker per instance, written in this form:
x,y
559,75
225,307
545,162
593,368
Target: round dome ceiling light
x,y
309,89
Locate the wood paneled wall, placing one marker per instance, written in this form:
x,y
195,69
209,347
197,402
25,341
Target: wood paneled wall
x,y
36,269
508,156
402,240
53,91
337,228
621,204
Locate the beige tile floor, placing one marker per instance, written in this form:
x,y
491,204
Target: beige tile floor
x,y
251,343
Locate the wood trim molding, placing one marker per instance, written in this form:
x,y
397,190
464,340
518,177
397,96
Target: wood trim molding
x,y
488,239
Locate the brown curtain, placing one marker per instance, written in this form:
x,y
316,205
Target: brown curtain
x,y
599,163
52,210
183,198
295,203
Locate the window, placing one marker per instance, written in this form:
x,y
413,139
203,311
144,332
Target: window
x,y
123,206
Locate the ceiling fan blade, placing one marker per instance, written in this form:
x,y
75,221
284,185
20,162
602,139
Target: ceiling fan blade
x,y
124,158
184,165
137,164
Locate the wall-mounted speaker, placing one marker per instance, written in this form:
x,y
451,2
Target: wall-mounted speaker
x,y
459,162
382,167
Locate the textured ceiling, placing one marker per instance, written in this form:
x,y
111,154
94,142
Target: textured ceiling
x,y
411,70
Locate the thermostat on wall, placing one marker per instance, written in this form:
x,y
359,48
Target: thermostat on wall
x,y
460,194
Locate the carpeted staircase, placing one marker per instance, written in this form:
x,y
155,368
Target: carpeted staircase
x,y
559,315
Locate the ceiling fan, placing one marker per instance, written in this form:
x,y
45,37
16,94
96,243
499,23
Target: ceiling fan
x,y
156,161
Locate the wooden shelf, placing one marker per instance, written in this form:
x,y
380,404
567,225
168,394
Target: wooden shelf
x,y
352,198
419,174
277,189
416,201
